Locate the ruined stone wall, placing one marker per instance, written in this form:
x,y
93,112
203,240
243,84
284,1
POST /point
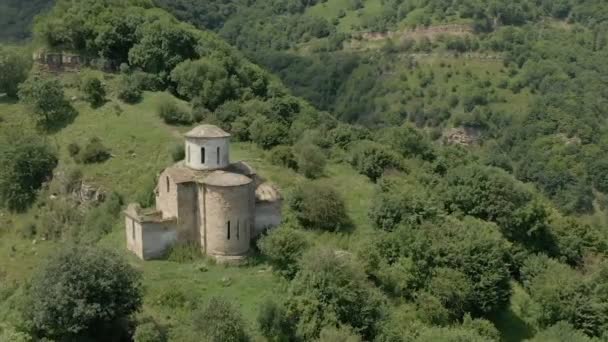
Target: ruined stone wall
x,y
149,240
194,158
157,238
166,197
226,206
134,241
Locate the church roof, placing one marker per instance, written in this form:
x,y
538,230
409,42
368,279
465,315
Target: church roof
x,y
207,131
223,178
180,173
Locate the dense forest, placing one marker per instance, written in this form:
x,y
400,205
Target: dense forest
x,y
392,230
16,17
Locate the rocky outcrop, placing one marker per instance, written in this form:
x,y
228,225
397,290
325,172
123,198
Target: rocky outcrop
x,y
464,136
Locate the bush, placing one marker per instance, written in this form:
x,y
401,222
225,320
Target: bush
x,y
178,152
372,159
149,331
26,164
274,323
83,292
267,133
129,90
310,159
283,246
220,320
283,156
94,91
318,206
332,289
73,149
341,334
172,114
94,152
50,108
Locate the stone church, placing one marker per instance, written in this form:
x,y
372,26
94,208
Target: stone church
x,y
205,200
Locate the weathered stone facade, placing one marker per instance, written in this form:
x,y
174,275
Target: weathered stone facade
x,y
205,200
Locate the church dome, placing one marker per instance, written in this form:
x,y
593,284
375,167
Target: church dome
x,y
207,131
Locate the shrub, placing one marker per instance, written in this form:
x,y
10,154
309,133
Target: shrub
x,y
149,331
26,164
283,156
129,90
50,108
274,323
318,206
178,152
94,152
172,114
310,159
184,252
372,159
267,133
283,246
333,289
220,320
341,334
81,292
73,149
94,91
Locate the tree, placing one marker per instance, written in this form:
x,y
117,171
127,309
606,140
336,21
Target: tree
x,y
561,332
94,91
318,206
310,159
26,162
493,195
219,321
372,159
161,45
172,114
341,334
267,133
50,108
332,289
274,323
14,68
402,202
207,80
129,90
283,246
83,292
564,294
406,140
94,152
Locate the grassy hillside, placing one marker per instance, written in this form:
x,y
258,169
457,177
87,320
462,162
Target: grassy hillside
x,y
140,144
507,232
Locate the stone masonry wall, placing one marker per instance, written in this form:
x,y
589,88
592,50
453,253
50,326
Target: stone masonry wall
x,y
166,198
223,205
194,158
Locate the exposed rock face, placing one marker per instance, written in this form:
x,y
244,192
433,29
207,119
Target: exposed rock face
x,y
464,136
90,194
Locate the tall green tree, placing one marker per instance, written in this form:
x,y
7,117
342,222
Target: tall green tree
x,y
14,67
27,163
332,289
83,292
45,96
